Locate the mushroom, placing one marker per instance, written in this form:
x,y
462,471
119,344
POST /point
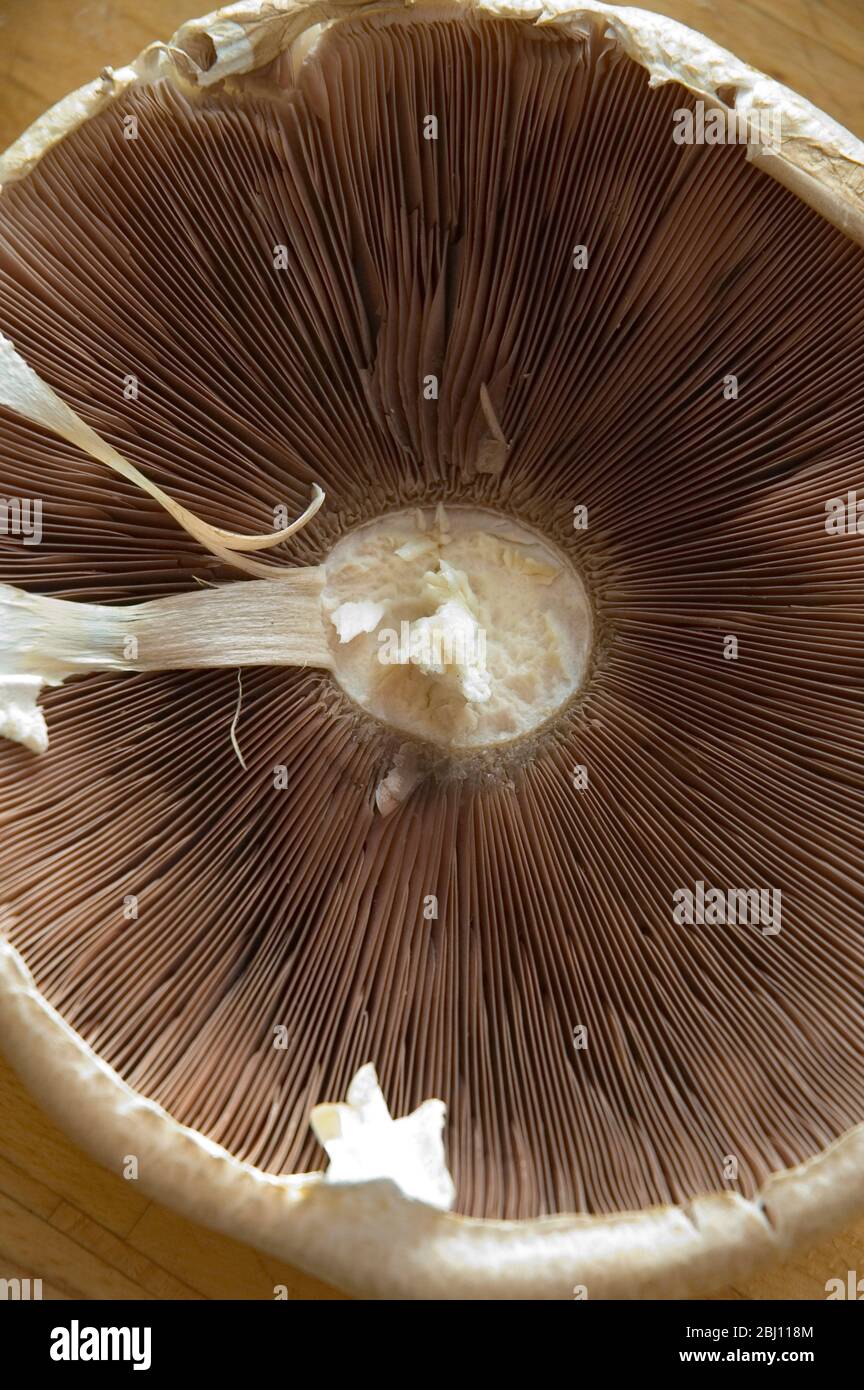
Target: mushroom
x,y
517,965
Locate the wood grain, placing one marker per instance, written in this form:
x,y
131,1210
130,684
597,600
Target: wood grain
x,y
87,1233
84,1231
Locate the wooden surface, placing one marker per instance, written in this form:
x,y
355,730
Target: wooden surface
x,y
85,1232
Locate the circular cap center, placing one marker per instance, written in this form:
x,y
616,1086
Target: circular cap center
x,y
457,626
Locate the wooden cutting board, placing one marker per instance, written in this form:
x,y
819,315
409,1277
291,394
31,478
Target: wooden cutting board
x,y
85,1232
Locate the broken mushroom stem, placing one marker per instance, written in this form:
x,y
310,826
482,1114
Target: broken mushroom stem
x,y
446,578
43,641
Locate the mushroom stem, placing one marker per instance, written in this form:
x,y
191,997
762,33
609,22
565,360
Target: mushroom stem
x,y
43,641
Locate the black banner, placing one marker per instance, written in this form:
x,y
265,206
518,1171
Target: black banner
x,y
59,1339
